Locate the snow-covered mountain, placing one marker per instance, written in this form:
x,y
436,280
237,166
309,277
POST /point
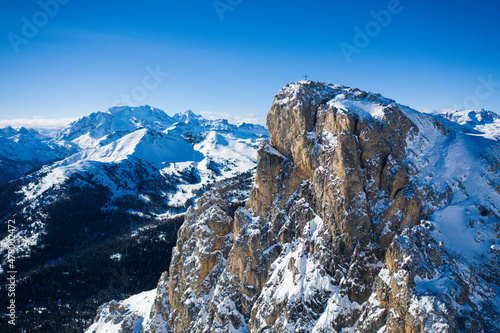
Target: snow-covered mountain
x,y
125,147
187,150
23,150
483,121
127,168
128,151
100,128
367,216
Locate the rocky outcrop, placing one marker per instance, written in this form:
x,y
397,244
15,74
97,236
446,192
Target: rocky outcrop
x,y
367,216
126,316
201,253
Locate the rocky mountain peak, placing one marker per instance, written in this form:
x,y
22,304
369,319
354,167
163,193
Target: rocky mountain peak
x,y
91,130
188,117
21,131
367,215
295,107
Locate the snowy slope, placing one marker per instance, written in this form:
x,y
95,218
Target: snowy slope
x,y
460,159
103,127
128,168
127,315
368,216
23,150
131,151
186,147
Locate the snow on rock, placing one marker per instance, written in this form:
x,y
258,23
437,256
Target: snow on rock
x,y
367,216
126,316
200,255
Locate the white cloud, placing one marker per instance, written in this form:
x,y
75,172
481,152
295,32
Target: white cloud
x,y
247,118
36,123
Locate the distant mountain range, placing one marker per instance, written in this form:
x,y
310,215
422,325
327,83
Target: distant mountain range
x,y
100,178
482,121
23,150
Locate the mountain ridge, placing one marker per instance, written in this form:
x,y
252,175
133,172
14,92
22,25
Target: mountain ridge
x,y
367,216
129,169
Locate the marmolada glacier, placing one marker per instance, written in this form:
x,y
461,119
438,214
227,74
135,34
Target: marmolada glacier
x,y
366,216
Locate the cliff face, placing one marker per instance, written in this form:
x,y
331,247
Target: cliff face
x,y
367,216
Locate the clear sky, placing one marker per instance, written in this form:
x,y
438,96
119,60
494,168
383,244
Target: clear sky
x,y
232,56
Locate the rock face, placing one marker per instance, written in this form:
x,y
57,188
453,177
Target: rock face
x,y
367,216
202,251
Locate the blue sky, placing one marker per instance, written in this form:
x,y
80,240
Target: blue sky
x,y
90,55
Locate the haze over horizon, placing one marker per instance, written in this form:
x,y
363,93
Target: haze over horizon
x,y
65,59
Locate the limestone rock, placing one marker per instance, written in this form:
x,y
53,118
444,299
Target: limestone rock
x,y
367,215
200,256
